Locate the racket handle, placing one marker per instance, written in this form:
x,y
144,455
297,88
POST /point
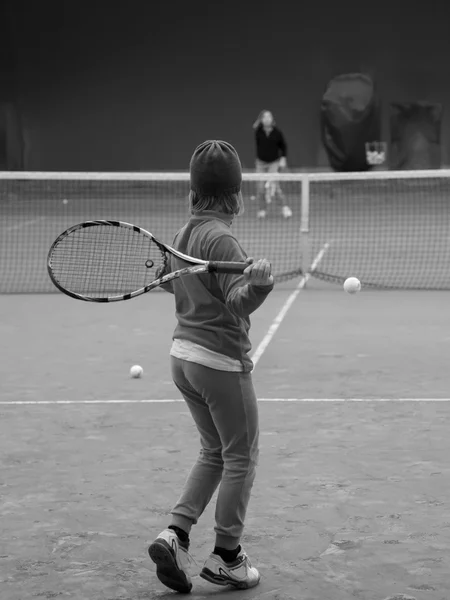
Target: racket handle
x,y
226,267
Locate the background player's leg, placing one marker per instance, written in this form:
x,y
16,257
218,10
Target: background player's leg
x,y
279,195
261,167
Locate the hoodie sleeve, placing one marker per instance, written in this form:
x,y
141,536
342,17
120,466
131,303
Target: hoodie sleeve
x,y
241,298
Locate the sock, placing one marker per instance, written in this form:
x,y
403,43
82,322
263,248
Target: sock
x,y
182,535
227,556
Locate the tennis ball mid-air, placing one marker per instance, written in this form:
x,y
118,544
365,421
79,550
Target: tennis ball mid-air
x,y
352,285
136,371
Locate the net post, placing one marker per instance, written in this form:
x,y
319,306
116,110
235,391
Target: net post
x,y
304,226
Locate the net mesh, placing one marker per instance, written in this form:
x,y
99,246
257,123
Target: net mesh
x,y
391,230
36,208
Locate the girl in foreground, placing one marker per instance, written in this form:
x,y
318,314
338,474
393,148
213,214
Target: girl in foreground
x,y
212,369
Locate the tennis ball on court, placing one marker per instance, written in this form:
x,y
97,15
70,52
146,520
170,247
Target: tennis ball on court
x,y
65,201
136,371
352,285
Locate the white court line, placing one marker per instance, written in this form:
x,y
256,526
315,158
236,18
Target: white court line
x,y
178,400
284,309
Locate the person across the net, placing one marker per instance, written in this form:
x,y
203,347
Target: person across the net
x,y
271,156
211,368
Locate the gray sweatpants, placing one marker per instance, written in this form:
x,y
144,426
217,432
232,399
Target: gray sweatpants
x,y
224,408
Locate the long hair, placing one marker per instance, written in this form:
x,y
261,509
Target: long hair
x,y
257,123
228,203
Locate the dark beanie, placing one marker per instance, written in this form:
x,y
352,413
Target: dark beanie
x,y
215,169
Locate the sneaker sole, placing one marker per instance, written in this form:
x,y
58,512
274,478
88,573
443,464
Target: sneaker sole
x,y
208,575
167,570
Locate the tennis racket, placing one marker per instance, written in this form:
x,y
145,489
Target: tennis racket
x,y
108,261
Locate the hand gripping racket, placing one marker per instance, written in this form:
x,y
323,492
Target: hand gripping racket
x,y
108,261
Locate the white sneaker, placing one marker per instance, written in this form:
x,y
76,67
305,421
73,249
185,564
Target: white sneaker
x,y
172,561
261,214
286,212
240,573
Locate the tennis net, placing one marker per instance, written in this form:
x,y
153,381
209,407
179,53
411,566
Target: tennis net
x,y
391,230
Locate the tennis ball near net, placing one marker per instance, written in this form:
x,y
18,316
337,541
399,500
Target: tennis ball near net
x,y
136,371
352,285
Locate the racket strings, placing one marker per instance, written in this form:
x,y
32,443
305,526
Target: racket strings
x,y
106,261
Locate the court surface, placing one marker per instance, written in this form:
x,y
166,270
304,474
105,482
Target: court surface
x,y
352,493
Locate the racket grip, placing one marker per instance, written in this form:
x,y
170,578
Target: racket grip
x,y
226,267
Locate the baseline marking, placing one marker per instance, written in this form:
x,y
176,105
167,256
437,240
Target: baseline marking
x,y
177,400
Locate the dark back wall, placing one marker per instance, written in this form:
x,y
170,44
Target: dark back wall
x,y
137,85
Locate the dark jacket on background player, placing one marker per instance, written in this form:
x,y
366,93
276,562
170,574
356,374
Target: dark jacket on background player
x,y
271,147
